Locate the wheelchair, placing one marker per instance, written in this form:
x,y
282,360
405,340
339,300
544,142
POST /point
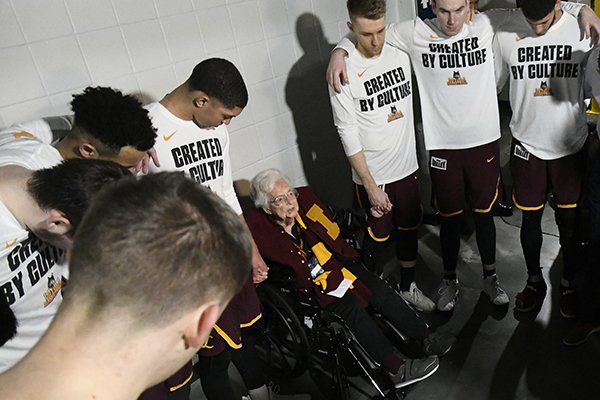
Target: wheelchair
x,y
298,335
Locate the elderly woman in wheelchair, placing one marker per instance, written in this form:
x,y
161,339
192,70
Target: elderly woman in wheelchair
x,y
293,228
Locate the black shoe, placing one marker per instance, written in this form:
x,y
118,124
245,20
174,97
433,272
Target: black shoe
x,y
581,334
502,210
568,302
531,297
438,344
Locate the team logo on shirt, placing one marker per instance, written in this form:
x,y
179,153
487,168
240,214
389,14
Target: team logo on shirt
x,y
457,79
543,90
31,263
394,114
439,163
53,289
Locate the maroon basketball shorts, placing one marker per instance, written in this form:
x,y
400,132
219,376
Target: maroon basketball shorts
x,y
406,207
533,178
472,174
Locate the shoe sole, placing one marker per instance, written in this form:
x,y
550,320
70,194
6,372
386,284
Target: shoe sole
x,y
524,310
530,308
582,340
415,380
541,295
567,316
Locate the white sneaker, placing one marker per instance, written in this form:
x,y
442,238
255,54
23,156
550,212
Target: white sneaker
x,y
413,371
491,287
448,292
417,298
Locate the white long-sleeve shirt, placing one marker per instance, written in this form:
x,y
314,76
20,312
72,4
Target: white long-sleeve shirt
x,y
30,270
374,113
546,75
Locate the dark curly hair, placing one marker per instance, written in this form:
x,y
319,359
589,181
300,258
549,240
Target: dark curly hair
x,y
113,119
220,79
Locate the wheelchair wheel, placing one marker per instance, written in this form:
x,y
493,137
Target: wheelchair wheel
x,y
283,344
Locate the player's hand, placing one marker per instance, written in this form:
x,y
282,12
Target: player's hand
x,y
336,70
144,164
589,25
379,200
375,213
259,267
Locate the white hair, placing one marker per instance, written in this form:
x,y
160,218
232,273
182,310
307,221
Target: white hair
x,y
262,184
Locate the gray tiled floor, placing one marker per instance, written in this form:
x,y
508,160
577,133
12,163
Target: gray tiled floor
x,y
496,356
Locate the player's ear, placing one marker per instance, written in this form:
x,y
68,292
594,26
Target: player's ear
x,y
200,99
87,150
57,223
201,324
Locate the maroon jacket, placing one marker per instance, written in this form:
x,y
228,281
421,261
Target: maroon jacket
x,y
322,236
242,311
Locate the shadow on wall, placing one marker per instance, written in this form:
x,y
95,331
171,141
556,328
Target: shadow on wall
x,y
325,165
489,4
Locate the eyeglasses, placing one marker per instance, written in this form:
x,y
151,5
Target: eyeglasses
x,y
289,196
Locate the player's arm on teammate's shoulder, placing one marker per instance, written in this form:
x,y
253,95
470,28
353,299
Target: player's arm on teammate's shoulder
x,y
589,23
336,74
60,126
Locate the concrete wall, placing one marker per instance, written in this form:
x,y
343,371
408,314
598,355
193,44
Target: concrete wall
x,y
51,49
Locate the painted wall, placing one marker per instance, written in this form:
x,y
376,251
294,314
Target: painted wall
x,y
51,49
